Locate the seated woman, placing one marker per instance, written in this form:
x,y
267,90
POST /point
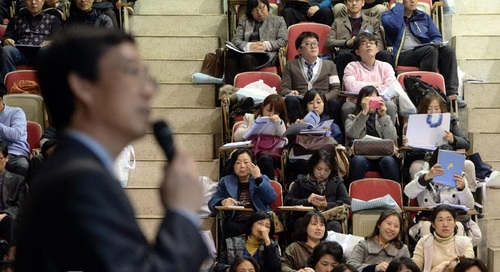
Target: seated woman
x,y
259,31
326,256
440,249
257,244
247,264
245,186
432,104
402,264
429,194
82,13
274,108
321,188
373,122
309,234
345,268
382,246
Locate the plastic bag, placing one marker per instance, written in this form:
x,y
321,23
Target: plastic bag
x,y
257,90
124,163
347,241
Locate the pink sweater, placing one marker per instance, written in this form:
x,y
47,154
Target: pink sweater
x,y
357,76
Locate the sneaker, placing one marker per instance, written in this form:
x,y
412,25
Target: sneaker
x,y
462,103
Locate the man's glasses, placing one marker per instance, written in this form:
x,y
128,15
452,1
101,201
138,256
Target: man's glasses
x,y
353,1
310,44
366,43
259,9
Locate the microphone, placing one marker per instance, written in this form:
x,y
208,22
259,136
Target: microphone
x,y
163,136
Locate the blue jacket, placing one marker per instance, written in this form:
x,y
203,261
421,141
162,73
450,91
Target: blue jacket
x,y
421,26
262,195
321,3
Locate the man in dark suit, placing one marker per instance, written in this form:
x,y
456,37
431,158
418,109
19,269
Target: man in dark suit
x,y
78,218
12,194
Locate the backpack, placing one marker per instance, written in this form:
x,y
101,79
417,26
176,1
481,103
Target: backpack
x,y
417,89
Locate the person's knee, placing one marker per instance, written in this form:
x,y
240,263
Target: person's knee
x,y
339,10
375,11
416,167
385,56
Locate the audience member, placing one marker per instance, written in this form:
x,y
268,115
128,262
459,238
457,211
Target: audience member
x,y
376,123
429,194
318,11
12,195
257,243
409,31
402,264
82,12
441,249
108,7
346,28
345,268
261,32
77,216
274,108
310,232
382,246
247,187
321,188
433,104
244,264
471,265
32,27
326,256
13,133
309,72
371,8
368,71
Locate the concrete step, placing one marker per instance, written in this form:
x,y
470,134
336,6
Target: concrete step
x,y
146,200
489,230
482,95
200,146
185,120
476,7
475,24
486,69
495,164
150,173
482,120
174,71
485,144
185,95
179,25
184,48
178,7
476,46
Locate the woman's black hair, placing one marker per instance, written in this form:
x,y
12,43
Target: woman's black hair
x,y
251,4
326,248
396,263
310,95
364,92
325,156
260,216
345,268
304,223
467,263
376,230
240,259
440,208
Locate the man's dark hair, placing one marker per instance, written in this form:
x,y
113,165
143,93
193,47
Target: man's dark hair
x,y
362,37
4,149
76,50
302,36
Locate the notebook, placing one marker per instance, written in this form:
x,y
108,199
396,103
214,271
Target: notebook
x,y
452,162
427,130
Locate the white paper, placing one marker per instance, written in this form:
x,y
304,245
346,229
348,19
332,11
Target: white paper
x,y
427,130
237,144
261,125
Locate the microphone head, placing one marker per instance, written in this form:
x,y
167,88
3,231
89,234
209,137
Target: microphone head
x,y
164,138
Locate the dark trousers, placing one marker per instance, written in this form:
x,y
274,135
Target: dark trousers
x,y
266,166
430,58
343,57
237,63
388,166
294,13
18,165
7,226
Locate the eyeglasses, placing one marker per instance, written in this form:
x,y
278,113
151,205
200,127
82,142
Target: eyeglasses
x,y
259,9
366,43
310,44
353,1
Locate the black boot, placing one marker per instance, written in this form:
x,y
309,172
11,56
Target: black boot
x,y
482,170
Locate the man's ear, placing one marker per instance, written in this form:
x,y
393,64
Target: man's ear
x,y
81,88
356,51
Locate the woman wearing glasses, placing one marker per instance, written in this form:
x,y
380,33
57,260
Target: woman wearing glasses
x,y
259,32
